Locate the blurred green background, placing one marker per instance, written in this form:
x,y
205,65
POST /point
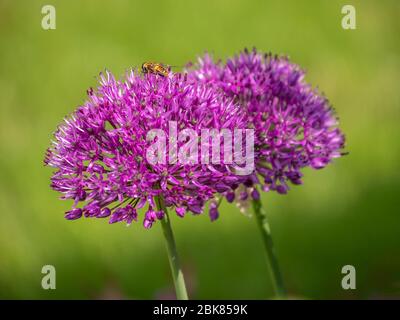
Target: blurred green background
x,y
345,214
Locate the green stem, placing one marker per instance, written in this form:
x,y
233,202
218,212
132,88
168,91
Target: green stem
x,y
263,225
177,275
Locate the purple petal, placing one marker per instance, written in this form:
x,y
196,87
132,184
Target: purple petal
x,y
73,214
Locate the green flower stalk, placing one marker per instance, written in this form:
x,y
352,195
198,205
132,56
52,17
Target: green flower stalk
x,y
177,274
265,232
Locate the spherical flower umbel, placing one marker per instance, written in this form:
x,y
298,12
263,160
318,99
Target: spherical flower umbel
x,y
294,125
100,150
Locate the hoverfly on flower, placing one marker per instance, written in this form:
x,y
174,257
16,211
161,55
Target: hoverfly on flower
x,y
156,68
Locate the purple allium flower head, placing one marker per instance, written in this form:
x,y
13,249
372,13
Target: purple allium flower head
x,y
100,151
295,126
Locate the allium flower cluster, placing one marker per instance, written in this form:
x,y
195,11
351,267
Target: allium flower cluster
x,y
294,125
99,151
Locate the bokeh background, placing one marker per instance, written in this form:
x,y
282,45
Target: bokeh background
x,y
347,213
